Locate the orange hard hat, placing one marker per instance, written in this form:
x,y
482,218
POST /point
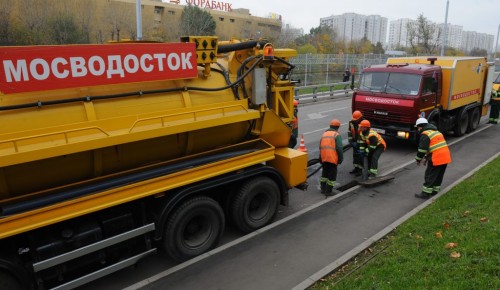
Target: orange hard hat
x,y
356,115
365,123
295,103
335,123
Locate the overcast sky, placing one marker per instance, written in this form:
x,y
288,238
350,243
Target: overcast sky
x,y
473,15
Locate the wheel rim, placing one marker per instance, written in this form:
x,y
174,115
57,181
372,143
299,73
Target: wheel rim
x,y
259,206
197,231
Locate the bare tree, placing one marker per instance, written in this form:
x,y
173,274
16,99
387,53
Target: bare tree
x,y
423,36
84,18
119,18
33,16
195,21
5,13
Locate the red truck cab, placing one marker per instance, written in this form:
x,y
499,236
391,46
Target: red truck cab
x,y
393,96
451,92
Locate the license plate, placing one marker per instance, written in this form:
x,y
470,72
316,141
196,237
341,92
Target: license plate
x,y
380,131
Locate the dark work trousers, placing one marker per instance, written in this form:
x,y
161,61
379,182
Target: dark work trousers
x,y
433,178
373,158
357,159
494,111
329,175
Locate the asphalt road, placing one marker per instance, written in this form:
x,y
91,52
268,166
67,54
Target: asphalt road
x,y
313,121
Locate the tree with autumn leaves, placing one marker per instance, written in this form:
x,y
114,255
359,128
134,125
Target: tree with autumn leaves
x,y
324,40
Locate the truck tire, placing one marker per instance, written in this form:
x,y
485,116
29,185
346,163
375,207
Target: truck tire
x,y
474,118
8,281
195,227
462,123
255,204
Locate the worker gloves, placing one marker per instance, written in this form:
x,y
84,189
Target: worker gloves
x,y
354,145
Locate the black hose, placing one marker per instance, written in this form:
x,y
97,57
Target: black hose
x,y
315,161
240,46
102,185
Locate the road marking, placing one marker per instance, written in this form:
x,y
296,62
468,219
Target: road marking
x,y
321,129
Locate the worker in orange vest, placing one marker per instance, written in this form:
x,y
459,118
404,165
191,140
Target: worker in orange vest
x,y
371,145
294,125
353,138
330,156
433,151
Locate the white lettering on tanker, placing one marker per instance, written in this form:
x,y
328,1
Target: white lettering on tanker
x,y
40,69
31,68
465,94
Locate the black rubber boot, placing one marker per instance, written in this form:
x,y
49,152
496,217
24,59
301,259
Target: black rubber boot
x,y
328,190
422,195
323,187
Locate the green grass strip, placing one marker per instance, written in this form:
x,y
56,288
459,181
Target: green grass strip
x,y
418,254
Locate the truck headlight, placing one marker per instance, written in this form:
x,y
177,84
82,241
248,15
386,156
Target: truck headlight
x,y
404,135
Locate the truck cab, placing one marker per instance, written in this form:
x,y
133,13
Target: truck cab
x,y
451,92
393,96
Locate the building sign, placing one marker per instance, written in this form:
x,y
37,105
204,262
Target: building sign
x,y
214,5
38,68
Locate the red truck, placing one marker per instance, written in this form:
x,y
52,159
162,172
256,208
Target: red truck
x,y
452,92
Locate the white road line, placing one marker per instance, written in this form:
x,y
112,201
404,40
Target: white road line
x,y
322,129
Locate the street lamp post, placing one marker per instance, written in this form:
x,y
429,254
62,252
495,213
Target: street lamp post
x,y
445,28
496,45
138,18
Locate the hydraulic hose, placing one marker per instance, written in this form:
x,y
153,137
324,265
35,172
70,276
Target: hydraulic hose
x,y
315,161
241,45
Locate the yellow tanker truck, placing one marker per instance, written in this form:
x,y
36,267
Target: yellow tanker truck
x,y
109,153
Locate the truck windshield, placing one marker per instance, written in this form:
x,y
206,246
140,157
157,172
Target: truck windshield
x,y
392,83
497,80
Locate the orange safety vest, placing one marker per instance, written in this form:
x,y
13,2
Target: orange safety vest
x,y
372,133
438,148
327,147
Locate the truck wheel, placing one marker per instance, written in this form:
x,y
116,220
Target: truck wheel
x,y
461,124
474,118
255,204
194,228
8,281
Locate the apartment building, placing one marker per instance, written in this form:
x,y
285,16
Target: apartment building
x,y
456,37
352,26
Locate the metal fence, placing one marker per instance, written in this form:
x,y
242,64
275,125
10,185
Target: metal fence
x,y
315,69
314,93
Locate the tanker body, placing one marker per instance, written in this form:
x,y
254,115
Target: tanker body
x,y
110,152
452,92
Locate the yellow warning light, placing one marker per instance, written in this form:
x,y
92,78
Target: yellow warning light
x,y
268,51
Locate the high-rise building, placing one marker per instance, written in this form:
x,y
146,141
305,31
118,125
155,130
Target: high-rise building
x,y
352,26
456,37
398,33
475,40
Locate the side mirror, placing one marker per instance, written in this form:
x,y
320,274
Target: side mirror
x,y
434,87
